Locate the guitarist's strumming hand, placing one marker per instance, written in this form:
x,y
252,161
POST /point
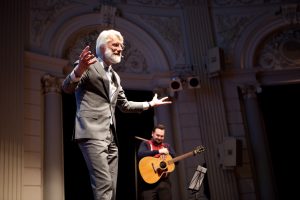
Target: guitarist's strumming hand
x,y
163,151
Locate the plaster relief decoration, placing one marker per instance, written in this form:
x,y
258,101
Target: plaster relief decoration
x,y
290,13
51,84
132,62
169,28
79,42
229,29
108,13
281,50
239,2
43,13
161,3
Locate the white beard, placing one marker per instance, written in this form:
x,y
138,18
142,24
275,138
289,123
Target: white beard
x,y
114,59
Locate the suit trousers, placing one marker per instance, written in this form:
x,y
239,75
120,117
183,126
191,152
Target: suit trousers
x,y
101,157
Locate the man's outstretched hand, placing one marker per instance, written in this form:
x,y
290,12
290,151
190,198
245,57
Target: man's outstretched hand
x,y
157,102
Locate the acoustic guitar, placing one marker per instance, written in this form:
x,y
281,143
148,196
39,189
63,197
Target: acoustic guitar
x,y
152,169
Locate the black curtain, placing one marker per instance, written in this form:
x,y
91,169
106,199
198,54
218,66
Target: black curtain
x,y
280,106
77,183
130,125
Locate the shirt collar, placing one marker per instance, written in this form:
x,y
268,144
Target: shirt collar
x,y
105,66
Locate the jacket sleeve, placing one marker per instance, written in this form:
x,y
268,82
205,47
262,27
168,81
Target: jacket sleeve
x,y
69,86
171,150
127,106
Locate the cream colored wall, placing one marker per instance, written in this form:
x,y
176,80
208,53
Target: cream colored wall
x,y
36,66
33,134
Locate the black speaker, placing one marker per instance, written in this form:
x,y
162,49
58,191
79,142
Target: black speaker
x,y
193,82
175,84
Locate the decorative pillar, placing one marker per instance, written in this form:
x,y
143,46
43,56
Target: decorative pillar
x,y
212,117
258,143
53,139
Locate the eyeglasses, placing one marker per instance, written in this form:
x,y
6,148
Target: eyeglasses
x,y
116,45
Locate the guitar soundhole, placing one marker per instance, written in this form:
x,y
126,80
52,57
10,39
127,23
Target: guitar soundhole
x,y
163,165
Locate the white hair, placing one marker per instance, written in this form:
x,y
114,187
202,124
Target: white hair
x,y
104,37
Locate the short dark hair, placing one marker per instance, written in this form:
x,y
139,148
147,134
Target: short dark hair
x,y
159,126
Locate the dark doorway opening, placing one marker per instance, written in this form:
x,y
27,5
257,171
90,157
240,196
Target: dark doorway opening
x,y
77,183
280,106
129,125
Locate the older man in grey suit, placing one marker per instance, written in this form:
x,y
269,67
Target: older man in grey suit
x,y
98,91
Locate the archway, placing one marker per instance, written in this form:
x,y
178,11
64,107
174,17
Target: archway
x,y
143,80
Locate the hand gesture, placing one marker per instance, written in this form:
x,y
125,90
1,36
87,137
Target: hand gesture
x,y
157,102
86,58
163,151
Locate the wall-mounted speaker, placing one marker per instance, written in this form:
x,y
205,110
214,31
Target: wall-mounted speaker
x,y
215,61
175,84
193,82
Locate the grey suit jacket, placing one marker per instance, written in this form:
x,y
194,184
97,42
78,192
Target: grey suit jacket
x,y
95,108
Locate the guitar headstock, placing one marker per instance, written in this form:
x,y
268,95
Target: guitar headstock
x,y
198,149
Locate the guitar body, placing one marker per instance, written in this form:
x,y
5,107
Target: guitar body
x,y
152,169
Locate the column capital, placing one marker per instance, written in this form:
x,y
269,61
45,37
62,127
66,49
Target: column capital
x,y
250,90
51,84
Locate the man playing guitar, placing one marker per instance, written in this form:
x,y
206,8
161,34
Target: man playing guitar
x,y
161,189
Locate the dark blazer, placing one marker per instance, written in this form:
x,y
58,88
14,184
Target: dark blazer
x,y
94,106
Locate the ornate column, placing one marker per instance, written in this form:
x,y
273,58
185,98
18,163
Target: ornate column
x,y
53,139
258,143
212,118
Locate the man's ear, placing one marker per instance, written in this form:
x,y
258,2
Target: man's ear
x,y
102,49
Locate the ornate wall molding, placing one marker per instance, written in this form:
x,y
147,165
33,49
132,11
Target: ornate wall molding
x,y
44,13
254,34
250,90
290,13
171,31
280,50
229,29
229,3
156,3
108,13
139,57
240,33
133,62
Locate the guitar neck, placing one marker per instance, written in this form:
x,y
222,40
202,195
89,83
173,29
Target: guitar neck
x,y
186,155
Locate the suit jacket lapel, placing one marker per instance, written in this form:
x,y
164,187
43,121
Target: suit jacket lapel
x,y
116,80
100,69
